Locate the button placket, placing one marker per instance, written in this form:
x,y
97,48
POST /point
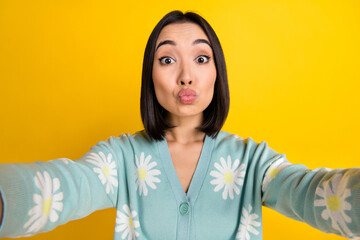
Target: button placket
x,y
184,208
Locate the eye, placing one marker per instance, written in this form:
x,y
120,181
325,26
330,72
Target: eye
x,y
202,59
166,60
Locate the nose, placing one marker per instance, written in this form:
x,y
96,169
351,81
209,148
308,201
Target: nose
x,y
185,82
186,75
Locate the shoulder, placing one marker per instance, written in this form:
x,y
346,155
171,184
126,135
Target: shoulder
x,y
230,138
230,141
138,141
137,136
226,136
124,141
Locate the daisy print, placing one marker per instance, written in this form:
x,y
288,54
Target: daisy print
x,y
145,174
105,168
47,204
274,170
333,194
248,224
125,223
228,176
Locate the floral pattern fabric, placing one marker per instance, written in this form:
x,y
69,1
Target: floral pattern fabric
x,y
332,198
229,175
128,174
126,224
145,174
48,204
249,225
105,168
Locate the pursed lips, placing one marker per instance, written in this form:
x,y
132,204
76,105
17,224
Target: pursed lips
x,y
187,96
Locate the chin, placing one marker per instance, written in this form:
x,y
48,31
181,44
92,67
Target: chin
x,y
185,113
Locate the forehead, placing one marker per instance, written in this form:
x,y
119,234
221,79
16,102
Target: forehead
x,y
181,32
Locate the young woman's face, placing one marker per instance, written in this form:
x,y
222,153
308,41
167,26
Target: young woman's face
x,y
184,71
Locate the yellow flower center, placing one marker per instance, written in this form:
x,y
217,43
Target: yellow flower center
x,y
228,177
142,173
273,172
131,223
46,206
105,170
334,203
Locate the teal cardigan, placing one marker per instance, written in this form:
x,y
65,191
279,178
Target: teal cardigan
x,y
233,179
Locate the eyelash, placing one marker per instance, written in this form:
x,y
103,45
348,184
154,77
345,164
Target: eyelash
x,y
165,57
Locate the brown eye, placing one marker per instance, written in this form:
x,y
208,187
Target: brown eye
x,y
166,60
202,59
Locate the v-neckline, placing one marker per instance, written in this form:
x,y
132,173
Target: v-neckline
x,y
199,174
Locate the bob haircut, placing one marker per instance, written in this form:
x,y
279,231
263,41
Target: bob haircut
x,y
153,115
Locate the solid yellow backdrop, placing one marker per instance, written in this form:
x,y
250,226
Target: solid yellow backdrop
x,y
70,75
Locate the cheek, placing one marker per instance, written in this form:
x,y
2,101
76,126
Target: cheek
x,y
157,80
211,78
161,86
210,93
210,85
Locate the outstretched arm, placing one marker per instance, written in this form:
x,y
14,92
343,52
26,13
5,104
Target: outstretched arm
x,y
328,200
39,196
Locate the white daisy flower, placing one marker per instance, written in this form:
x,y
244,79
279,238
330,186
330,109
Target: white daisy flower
x,y
106,169
125,222
274,170
247,224
47,204
228,175
333,195
145,175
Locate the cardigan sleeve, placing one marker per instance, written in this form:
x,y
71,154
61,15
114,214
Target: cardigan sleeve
x,y
39,196
326,199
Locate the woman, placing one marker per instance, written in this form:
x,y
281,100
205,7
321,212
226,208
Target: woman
x,y
180,178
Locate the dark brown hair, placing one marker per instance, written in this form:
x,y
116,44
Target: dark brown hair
x,y
152,113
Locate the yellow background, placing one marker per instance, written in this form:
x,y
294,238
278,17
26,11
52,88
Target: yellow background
x,y
70,76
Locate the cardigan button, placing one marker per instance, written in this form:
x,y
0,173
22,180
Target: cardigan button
x,y
184,208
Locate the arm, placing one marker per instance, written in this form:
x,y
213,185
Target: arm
x,y
328,200
40,196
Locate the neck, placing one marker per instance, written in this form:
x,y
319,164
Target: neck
x,y
185,131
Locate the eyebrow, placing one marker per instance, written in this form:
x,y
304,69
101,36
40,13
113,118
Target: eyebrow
x,y
170,42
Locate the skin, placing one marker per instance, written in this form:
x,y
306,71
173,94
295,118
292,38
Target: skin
x,y
185,62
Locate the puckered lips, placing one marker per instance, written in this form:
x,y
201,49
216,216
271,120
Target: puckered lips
x,y
187,96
